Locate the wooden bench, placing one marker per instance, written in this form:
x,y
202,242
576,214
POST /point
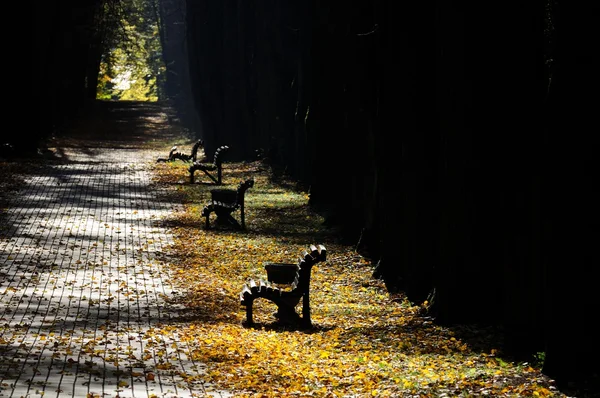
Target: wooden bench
x,y
174,155
226,201
285,299
208,168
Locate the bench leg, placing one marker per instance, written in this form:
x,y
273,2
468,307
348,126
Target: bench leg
x,y
211,177
306,321
249,320
287,314
233,221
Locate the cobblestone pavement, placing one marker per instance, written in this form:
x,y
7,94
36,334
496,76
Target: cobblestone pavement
x,y
84,279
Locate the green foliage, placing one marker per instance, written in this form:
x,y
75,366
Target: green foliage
x,y
132,64
538,359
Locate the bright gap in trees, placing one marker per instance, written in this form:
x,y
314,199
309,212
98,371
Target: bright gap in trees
x,y
132,66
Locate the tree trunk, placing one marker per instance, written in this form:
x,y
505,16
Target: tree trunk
x,y
571,186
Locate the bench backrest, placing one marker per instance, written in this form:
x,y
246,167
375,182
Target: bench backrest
x,y
197,145
218,159
242,188
302,282
172,152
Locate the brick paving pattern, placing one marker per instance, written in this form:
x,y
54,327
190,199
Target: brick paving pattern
x,y
83,280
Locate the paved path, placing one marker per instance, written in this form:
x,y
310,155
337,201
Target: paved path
x,y
83,281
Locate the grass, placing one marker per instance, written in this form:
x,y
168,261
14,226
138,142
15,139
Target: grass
x,y
364,341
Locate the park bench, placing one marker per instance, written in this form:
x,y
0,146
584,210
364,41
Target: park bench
x,y
210,168
225,201
174,154
286,299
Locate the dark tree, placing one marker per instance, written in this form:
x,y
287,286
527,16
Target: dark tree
x,y
572,197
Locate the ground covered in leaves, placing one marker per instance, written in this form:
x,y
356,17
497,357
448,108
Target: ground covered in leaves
x,y
364,341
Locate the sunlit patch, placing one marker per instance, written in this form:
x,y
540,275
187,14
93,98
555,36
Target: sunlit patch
x,y
364,341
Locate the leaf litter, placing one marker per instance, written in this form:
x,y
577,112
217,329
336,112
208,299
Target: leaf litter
x,y
364,341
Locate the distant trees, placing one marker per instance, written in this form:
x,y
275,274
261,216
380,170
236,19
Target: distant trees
x,y
132,65
64,53
175,81
68,43
304,86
